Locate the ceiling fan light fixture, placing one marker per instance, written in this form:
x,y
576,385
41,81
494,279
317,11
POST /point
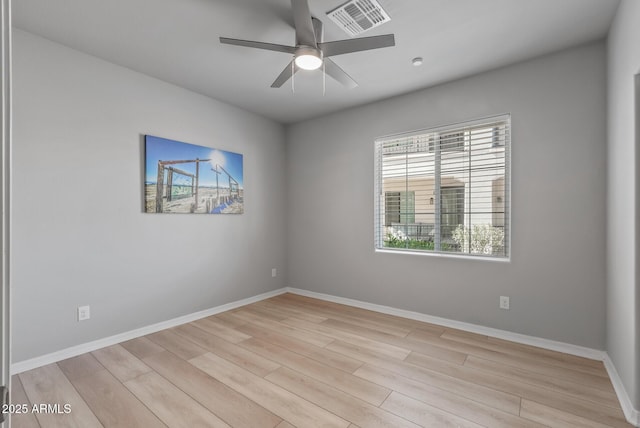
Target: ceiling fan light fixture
x,y
308,58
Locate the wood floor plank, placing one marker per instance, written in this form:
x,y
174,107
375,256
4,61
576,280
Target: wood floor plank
x,y
432,329
346,382
229,320
413,345
578,364
344,405
555,418
173,342
322,355
261,312
301,334
422,413
462,334
443,400
276,313
120,362
80,366
595,411
374,324
578,390
22,419
217,328
292,311
386,323
506,402
285,424
278,400
175,408
48,385
308,302
372,345
506,345
113,404
142,347
366,322
578,374
230,406
295,308
248,360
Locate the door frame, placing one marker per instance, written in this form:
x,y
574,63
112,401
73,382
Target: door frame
x,y
5,195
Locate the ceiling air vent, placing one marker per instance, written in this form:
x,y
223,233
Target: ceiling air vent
x,y
357,16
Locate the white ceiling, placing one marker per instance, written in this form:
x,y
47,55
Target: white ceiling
x,y
177,41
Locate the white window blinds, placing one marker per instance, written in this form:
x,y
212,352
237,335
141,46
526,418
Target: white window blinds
x,y
445,189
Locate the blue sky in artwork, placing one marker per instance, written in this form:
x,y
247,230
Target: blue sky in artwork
x,y
157,149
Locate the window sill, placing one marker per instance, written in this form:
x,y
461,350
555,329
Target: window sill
x,y
445,255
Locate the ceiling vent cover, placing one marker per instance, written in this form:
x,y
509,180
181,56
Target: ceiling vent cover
x,y
357,16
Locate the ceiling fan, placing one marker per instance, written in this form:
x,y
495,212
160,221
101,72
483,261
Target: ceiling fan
x,y
311,51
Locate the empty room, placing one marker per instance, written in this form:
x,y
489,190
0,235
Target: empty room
x,y
306,213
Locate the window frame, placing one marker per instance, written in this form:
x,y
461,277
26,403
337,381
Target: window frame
x,y
379,152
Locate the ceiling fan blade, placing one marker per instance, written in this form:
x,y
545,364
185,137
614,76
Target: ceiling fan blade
x,y
340,47
332,69
258,45
305,34
285,75
318,29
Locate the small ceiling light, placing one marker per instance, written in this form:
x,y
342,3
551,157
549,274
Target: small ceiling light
x,y
308,58
417,61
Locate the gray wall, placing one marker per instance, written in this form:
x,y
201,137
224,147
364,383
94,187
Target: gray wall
x,y
623,197
556,277
80,237
79,234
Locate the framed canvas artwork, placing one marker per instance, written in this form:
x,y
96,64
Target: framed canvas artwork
x,y
186,178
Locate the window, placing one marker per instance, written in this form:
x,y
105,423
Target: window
x,y
445,190
451,210
399,208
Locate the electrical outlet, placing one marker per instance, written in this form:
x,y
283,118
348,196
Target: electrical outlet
x,y
274,272
504,302
84,313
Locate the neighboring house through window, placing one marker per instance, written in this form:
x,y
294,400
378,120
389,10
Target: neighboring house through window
x,y
445,189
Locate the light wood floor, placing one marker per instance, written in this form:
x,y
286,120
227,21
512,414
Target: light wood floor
x,y
295,361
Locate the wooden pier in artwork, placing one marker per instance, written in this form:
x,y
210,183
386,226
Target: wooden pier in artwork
x,y
234,188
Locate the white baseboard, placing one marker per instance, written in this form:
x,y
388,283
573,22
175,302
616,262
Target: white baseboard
x,y
632,414
74,351
553,345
